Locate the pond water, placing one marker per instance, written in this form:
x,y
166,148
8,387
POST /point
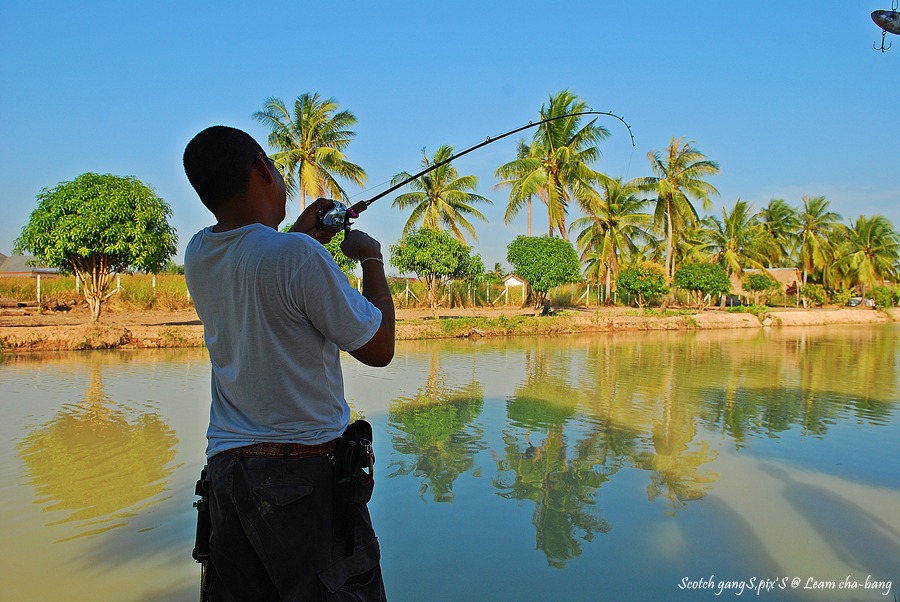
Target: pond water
x,y
638,466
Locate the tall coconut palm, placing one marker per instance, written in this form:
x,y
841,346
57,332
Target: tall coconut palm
x,y
870,250
308,145
735,240
557,165
817,224
679,177
521,178
441,198
614,222
780,223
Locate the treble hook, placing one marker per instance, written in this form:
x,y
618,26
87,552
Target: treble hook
x,y
883,47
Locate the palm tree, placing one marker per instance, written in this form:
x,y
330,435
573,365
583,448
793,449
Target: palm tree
x,y
780,223
614,222
441,197
556,166
520,176
816,227
735,240
679,177
870,250
308,145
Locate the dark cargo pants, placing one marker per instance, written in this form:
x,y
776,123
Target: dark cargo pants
x,y
272,534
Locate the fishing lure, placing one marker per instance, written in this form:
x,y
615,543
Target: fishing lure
x,y
889,22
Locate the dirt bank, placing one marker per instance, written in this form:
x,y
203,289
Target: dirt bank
x,y
27,329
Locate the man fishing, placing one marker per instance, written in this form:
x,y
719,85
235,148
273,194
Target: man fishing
x,y
277,311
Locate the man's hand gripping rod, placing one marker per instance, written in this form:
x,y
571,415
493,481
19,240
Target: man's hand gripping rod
x,y
339,215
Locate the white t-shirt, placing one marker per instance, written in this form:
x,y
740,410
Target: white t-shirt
x,y
276,309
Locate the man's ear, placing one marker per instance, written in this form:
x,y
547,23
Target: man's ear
x,y
263,165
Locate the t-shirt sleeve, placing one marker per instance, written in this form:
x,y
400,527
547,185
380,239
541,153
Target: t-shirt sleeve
x,y
332,305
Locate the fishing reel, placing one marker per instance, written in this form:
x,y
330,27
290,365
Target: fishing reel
x,y
337,216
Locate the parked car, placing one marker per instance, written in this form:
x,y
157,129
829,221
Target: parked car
x,y
855,301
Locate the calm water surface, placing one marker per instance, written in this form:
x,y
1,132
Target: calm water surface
x,y
615,467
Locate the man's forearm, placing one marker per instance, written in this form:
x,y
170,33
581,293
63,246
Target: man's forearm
x,y
375,289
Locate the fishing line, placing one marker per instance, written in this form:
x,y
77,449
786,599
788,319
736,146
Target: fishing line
x,y
337,216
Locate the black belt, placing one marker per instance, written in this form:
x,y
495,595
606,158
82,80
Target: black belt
x,y
284,450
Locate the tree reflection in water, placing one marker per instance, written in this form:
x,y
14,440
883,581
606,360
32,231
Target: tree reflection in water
x,y
564,489
435,432
98,462
660,406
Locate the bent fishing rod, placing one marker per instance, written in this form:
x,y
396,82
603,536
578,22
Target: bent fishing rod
x,y
339,215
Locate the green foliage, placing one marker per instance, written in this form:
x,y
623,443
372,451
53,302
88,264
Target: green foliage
x,y
434,255
433,252
665,313
173,269
646,282
441,198
703,279
757,310
308,142
841,297
544,262
119,219
814,293
346,264
556,165
882,295
98,225
759,283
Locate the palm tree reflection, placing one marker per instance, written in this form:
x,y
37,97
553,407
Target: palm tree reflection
x,y
98,463
564,488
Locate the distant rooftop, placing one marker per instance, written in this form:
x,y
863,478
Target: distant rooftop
x,y
22,265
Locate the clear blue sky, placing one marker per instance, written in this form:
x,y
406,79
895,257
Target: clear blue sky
x,y
788,96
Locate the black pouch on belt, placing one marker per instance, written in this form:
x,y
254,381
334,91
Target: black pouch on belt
x,y
354,463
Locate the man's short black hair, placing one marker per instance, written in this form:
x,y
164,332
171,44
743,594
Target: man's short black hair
x,y
217,163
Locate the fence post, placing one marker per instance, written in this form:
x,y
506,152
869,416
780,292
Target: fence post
x,y
39,289
77,283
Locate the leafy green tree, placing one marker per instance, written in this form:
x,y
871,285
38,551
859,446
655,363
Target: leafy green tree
x,y
882,295
759,284
614,221
96,226
817,225
309,144
814,293
702,279
556,167
680,175
544,262
870,250
441,198
434,255
645,282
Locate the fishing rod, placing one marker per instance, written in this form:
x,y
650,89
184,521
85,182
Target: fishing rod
x,y
339,215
